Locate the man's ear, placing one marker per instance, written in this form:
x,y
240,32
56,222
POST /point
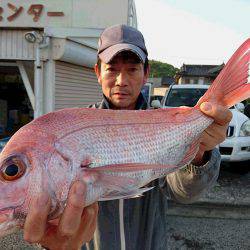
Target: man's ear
x,y
146,75
98,73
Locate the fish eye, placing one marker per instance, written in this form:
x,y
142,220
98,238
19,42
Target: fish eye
x,y
12,170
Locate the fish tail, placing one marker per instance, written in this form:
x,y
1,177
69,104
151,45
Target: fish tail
x,y
232,85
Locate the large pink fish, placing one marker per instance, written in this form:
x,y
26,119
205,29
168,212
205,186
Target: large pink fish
x,y
116,152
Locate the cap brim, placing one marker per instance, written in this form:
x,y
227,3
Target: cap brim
x,y
108,54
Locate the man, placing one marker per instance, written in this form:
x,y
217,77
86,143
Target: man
x,y
140,223
134,224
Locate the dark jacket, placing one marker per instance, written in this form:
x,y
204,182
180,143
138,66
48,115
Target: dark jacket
x,y
141,223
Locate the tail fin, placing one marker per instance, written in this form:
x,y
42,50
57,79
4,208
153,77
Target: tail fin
x,y
232,85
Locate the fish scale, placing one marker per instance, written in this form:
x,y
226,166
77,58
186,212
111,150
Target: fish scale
x,y
144,147
115,152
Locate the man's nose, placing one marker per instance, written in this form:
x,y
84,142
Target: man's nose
x,y
122,79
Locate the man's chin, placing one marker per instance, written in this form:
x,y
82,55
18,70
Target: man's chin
x,y
121,104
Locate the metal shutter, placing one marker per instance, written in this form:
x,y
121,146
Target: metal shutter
x,y
14,46
75,86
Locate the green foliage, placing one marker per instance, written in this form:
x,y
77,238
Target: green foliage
x,y
160,69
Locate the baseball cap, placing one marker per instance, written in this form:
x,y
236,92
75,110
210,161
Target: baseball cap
x,y
118,38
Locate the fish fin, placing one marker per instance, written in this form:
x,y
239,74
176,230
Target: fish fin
x,y
232,85
131,167
132,194
123,180
112,182
117,176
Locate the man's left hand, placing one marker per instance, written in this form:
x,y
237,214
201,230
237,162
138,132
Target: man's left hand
x,y
75,226
216,132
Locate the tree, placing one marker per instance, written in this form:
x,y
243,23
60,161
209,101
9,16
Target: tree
x,y
160,69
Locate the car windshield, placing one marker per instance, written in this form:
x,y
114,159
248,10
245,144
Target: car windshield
x,y
184,97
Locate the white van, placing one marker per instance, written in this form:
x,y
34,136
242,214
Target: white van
x,y
236,147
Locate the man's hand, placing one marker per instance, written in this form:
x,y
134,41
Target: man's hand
x,y
75,227
216,132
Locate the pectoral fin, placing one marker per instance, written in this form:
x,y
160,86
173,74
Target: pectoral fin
x,y
122,181
132,194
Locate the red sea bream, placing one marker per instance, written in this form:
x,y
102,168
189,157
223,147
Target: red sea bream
x,y
115,152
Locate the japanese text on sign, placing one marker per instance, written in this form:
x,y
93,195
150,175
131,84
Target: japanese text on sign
x,y
35,10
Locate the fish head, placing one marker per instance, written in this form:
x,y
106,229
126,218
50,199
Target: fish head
x,y
14,177
23,175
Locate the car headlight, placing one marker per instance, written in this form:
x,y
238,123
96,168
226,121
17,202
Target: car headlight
x,y
245,129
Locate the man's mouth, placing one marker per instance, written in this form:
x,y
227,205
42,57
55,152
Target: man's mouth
x,y
120,94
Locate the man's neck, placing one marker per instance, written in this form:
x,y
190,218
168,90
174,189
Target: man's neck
x,y
140,104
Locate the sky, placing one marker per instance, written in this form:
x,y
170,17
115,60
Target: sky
x,y
193,31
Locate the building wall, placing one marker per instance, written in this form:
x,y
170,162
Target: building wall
x,y
75,86
160,91
156,81
194,80
132,18
13,46
73,13
62,84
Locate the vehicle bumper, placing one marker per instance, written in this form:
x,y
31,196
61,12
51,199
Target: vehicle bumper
x,y
235,149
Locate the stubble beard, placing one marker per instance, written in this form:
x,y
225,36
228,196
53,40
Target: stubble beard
x,y
116,104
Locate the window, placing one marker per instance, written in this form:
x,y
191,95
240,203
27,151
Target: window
x,y
184,97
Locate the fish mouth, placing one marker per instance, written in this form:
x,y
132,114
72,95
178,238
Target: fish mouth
x,y
8,224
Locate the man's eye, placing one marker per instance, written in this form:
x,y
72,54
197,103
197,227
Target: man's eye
x,y
133,69
111,69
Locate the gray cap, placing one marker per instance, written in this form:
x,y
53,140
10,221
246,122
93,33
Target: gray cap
x,y
118,38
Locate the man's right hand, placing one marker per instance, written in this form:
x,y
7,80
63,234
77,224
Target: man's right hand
x,y
75,226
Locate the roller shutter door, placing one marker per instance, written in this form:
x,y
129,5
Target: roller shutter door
x,y
14,46
75,86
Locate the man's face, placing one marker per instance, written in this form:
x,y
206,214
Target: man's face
x,y
122,80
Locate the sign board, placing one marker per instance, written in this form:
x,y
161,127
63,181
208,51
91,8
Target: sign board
x,y
63,13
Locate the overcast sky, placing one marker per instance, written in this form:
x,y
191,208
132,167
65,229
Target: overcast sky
x,y
193,31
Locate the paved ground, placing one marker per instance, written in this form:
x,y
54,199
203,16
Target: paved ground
x,y
208,233
220,220
233,186
15,242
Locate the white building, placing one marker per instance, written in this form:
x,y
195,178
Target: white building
x,y
47,54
